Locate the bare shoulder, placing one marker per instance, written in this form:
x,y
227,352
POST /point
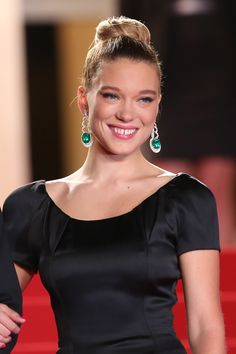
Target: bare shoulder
x,y
160,176
60,188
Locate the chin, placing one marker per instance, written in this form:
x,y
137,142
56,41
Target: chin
x,y
121,149
122,152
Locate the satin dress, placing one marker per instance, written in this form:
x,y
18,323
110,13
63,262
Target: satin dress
x,y
112,282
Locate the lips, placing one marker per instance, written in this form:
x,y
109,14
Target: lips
x,y
123,133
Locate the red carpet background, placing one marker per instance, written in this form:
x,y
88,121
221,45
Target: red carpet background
x,y
39,335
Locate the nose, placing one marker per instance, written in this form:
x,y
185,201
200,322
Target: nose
x,y
125,112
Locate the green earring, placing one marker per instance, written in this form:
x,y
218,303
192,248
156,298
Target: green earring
x,y
155,143
86,137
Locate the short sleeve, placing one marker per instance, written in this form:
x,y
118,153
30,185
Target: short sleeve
x,y
197,218
22,224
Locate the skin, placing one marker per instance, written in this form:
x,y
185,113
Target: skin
x,y
126,95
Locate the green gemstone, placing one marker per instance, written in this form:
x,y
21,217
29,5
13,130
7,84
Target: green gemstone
x,y
86,138
156,143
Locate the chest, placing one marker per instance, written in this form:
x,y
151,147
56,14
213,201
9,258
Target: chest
x,y
128,250
95,203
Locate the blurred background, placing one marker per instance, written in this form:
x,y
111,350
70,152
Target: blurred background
x,y
43,44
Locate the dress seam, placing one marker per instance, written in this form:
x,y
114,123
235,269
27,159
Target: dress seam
x,y
71,346
148,280
68,345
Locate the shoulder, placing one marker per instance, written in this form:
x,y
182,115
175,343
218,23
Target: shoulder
x,y
59,188
62,189
194,201
196,214
23,211
25,198
188,188
184,189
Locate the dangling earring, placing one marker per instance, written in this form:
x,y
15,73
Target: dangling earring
x,y
86,137
155,143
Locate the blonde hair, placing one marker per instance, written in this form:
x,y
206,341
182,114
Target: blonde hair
x,y
115,27
119,37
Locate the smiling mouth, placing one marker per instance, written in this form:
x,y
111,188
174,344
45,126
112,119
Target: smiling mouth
x,y
123,133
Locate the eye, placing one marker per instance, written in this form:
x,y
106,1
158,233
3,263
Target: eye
x,y
146,99
109,95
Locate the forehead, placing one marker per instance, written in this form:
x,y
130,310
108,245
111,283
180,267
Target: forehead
x,y
127,73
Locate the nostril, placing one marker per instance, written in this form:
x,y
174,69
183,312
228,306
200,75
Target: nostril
x,y
124,116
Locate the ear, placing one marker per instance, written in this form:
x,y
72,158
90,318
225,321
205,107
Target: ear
x,y
82,100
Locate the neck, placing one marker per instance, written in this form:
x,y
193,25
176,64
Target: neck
x,y
102,167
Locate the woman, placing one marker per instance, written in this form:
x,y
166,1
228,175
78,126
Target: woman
x,y
10,295
111,240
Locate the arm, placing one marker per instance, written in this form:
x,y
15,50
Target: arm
x,y
200,274
22,220
11,320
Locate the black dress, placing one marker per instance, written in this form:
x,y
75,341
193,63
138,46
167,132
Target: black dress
x,y
112,281
10,293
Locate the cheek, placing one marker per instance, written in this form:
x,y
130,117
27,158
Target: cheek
x,y
103,112
97,119
150,118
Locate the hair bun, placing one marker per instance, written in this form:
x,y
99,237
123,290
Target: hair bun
x,y
114,27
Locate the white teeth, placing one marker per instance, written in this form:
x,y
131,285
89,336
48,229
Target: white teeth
x,y
124,131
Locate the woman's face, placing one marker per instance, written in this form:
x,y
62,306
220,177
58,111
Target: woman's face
x,y
122,105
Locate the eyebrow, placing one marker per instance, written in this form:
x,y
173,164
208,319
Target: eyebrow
x,y
142,92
